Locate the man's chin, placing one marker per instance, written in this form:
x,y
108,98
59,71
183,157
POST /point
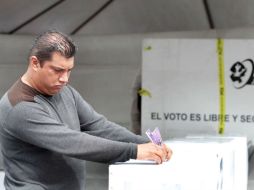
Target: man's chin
x,y
53,92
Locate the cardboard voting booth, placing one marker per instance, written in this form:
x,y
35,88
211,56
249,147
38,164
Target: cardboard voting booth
x,y
211,163
194,84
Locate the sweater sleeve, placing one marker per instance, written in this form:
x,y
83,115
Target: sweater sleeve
x,y
97,125
31,124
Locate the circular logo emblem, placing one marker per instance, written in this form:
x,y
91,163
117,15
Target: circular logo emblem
x,y
242,73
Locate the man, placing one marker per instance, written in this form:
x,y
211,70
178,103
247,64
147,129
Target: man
x,y
47,128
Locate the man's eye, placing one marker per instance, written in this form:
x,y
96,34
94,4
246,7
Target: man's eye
x,y
58,70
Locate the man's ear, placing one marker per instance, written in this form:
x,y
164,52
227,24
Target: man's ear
x,y
34,63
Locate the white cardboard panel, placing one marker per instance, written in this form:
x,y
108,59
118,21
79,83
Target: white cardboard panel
x,y
182,76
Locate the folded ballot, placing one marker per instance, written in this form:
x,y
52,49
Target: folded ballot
x,y
154,136
197,163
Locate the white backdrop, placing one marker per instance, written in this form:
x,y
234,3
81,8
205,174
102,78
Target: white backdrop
x,y
182,76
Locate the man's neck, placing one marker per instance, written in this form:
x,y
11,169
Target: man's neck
x,y
28,81
25,80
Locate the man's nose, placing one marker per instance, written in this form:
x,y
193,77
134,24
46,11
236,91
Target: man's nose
x,y
64,77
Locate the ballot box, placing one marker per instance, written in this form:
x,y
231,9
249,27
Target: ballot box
x,y
197,163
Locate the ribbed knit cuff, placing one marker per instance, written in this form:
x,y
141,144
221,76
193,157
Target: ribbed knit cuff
x,y
134,151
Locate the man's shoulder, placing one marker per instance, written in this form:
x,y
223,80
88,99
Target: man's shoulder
x,y
23,109
20,92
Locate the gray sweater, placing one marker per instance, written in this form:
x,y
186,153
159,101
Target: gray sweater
x,y
45,139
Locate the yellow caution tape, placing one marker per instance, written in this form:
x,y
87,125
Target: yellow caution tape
x,y
144,92
220,53
148,48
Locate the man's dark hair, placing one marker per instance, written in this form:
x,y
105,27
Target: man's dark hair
x,y
52,41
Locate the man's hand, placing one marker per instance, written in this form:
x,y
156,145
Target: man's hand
x,y
151,151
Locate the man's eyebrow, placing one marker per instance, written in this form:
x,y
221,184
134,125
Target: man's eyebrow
x,y
60,68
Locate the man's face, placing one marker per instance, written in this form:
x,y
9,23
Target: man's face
x,y
54,74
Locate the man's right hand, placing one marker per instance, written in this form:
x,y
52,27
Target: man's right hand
x,y
151,151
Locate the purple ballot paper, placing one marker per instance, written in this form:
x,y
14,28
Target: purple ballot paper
x,y
154,136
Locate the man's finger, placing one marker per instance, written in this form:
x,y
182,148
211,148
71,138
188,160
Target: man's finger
x,y
168,151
